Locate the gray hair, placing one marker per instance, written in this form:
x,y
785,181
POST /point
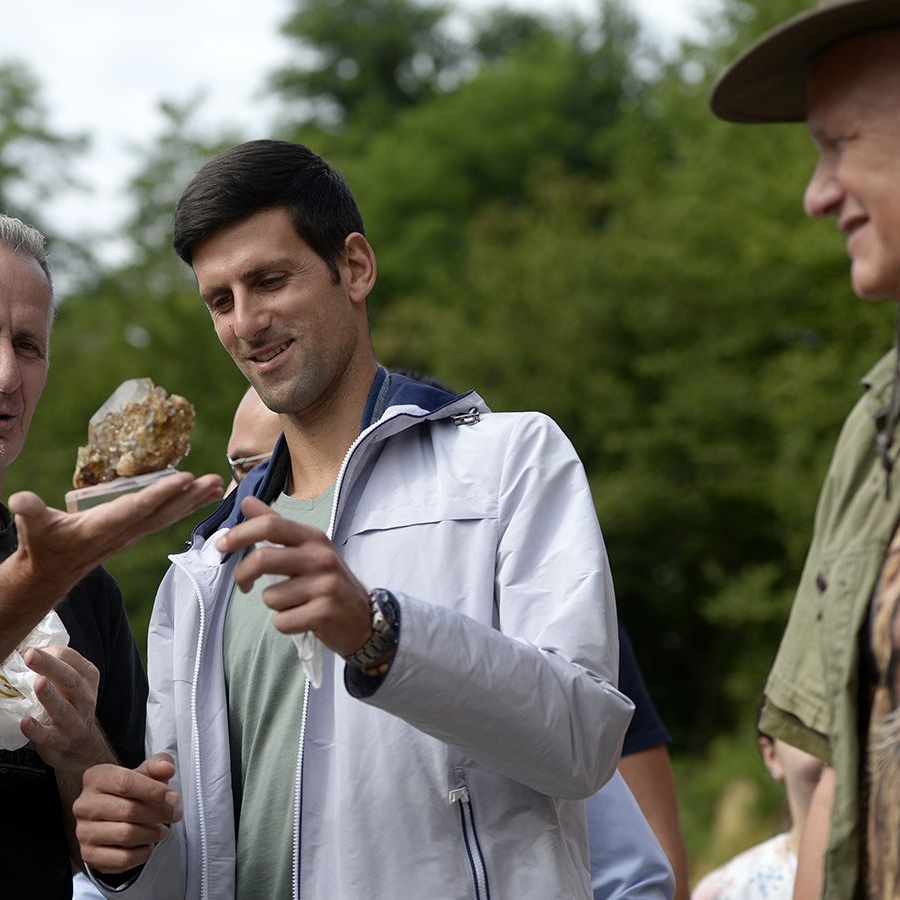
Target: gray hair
x,y
15,235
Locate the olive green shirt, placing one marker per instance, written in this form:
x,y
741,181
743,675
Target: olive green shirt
x,y
814,689
265,698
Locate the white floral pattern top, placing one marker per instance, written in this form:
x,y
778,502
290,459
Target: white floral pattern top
x,y
764,872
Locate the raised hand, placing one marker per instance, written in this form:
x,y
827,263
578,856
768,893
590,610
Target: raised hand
x,y
56,549
320,594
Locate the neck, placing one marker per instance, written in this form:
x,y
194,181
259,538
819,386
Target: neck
x,y
798,821
315,463
318,442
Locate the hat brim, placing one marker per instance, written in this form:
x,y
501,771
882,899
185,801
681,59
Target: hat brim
x,y
768,82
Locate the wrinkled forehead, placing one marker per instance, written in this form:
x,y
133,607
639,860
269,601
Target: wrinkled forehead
x,y
25,294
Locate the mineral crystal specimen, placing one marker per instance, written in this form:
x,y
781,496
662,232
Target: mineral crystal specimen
x,y
139,429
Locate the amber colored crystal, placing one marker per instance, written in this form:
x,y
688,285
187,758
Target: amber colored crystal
x,y
139,429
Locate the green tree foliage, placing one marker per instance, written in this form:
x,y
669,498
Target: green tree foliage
x,y
35,163
499,31
364,59
434,168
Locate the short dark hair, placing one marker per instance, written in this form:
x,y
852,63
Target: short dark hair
x,y
260,175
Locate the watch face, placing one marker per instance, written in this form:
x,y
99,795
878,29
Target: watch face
x,y
385,604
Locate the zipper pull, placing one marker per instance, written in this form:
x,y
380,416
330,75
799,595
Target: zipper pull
x,y
470,418
459,795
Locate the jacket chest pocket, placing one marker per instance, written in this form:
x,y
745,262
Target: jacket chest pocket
x,y
445,554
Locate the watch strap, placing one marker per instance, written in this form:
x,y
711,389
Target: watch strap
x,y
374,657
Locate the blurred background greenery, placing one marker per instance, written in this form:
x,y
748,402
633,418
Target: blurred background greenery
x,y
562,224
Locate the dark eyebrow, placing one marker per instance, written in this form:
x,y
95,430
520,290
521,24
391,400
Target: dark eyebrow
x,y
245,276
254,271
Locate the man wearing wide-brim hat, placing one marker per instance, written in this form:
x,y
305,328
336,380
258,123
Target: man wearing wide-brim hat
x,y
834,689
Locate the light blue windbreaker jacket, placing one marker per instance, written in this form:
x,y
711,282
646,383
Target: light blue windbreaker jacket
x,y
460,773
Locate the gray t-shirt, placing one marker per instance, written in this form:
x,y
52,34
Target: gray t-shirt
x,y
265,697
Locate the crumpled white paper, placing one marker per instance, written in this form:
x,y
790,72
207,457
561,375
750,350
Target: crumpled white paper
x,y
310,650
17,696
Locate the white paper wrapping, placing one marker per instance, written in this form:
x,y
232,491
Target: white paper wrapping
x,y
17,696
310,650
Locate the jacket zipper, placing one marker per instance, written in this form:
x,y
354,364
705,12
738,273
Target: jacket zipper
x,y
195,739
298,792
298,785
477,865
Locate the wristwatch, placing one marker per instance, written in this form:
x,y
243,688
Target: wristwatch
x,y
375,655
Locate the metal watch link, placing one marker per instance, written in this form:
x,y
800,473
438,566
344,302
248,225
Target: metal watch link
x,y
385,633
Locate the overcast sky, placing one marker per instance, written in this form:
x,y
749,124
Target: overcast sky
x,y
104,65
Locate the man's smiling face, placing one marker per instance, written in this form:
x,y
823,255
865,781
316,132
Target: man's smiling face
x,y
25,312
290,328
854,119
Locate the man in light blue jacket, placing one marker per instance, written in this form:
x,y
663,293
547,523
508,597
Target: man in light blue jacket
x,y
449,699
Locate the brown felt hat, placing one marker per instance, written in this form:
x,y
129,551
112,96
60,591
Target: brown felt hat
x,y
767,83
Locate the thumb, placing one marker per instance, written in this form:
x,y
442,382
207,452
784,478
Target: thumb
x,y
26,503
29,511
159,767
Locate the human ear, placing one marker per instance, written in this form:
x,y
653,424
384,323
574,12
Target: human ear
x,y
359,267
770,758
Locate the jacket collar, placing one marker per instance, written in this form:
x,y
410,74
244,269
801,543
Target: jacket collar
x,y
266,481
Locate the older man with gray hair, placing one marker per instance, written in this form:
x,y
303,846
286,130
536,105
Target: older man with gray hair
x,y
93,690
835,684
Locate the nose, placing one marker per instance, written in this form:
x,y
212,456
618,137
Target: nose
x,y
10,374
251,317
824,193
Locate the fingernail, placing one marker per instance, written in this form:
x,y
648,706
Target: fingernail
x,y
173,799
